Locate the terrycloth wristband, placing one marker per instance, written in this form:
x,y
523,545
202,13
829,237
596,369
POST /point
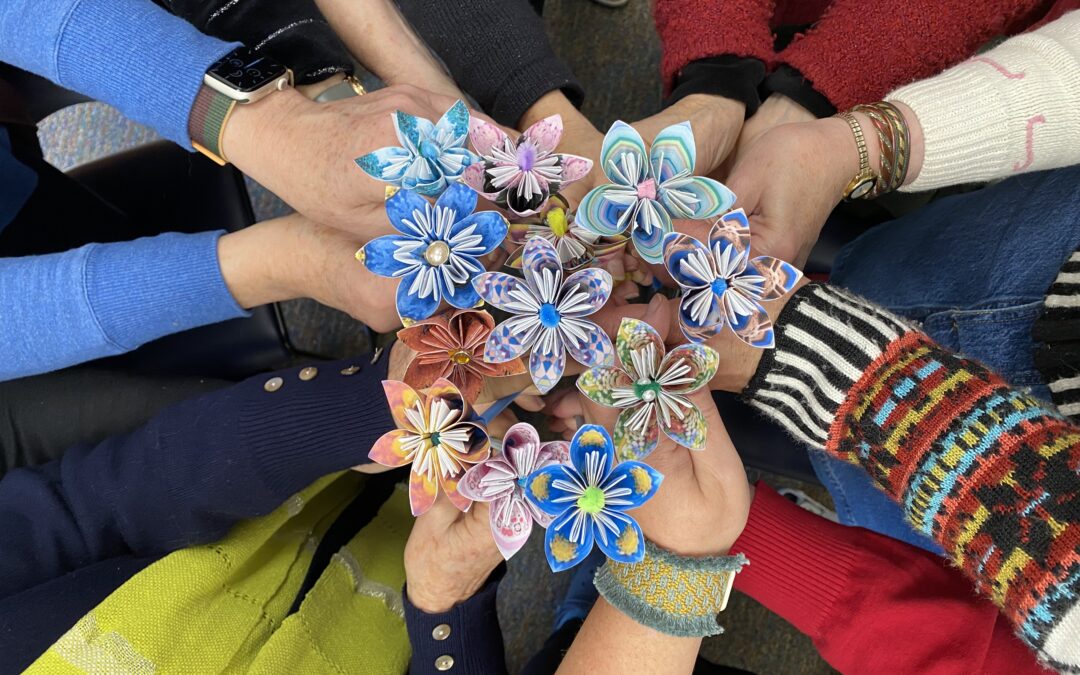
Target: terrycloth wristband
x,y
673,594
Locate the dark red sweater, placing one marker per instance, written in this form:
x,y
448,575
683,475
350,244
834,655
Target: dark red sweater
x,y
857,51
871,604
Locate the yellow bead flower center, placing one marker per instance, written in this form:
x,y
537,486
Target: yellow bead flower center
x,y
556,220
460,357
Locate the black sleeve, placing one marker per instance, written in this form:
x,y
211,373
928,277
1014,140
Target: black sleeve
x,y
293,32
730,76
496,50
791,83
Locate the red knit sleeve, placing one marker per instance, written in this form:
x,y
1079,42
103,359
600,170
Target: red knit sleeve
x,y
848,589
695,29
859,51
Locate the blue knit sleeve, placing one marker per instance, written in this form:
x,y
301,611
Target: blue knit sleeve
x,y
103,299
131,54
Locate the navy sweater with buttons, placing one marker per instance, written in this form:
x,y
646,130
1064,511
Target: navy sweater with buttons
x,y
75,529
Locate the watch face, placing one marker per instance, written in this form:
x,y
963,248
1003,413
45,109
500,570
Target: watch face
x,y
244,70
862,188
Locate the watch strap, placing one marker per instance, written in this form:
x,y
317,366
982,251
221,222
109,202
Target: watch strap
x,y
865,172
206,125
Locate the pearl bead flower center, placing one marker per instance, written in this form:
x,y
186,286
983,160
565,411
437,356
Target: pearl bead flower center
x,y
437,253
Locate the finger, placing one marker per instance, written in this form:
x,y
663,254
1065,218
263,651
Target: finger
x,y
719,457
530,402
503,421
564,405
439,517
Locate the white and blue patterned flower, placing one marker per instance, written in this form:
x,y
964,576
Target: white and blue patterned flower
x,y
589,498
431,156
548,314
436,253
648,190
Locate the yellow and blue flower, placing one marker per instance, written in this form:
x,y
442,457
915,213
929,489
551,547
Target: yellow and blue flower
x,y
588,500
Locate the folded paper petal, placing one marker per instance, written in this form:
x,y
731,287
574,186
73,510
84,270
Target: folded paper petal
x,y
695,272
471,484
450,489
508,342
713,323
601,210
410,305
547,367
545,134
696,197
589,439
599,384
540,261
462,297
399,397
575,168
755,329
454,123
779,277
495,288
486,136
649,241
410,129
539,488
638,341
473,176
388,451
702,362
453,162
446,391
689,431
596,350
422,492
622,155
421,374
673,152
732,230
562,551
521,445
386,164
596,283
633,442
490,226
554,452
511,525
627,544
459,200
424,178
640,480
379,256
400,209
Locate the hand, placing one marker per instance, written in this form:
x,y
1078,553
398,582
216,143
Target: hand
x,y
304,152
774,111
449,556
716,121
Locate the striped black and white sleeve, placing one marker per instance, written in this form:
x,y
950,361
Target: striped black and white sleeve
x,y
1057,332
826,338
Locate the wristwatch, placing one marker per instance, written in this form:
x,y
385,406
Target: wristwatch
x,y
241,77
864,181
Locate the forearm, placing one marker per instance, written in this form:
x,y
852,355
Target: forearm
x,y
129,53
611,642
1011,110
984,469
190,474
105,299
467,635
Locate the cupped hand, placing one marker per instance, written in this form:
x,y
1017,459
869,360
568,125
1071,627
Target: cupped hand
x,y
774,111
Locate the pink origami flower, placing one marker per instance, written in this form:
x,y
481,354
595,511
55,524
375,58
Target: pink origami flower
x,y
499,480
451,345
438,435
521,175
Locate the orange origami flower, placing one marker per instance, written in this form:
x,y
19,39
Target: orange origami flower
x,y
451,345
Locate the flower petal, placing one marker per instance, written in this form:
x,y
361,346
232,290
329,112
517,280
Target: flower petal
x,y
490,226
696,197
486,136
673,152
495,288
463,296
622,155
421,374
539,488
690,431
422,492
688,261
388,451
562,552
508,342
639,478
699,362
546,367
592,439
521,445
627,544
473,176
574,168
444,389
780,277
449,486
639,347
431,334
595,350
405,209
540,255
755,328
459,200
454,161
411,305
467,380
511,525
470,484
635,441
732,231
595,283
410,129
649,240
379,256
554,452
386,164
545,134
599,383
400,397
601,214
454,123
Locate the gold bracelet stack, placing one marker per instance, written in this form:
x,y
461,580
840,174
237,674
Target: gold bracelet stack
x,y
895,140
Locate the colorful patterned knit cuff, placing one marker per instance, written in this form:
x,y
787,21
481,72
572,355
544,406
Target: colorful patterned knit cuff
x,y
673,594
826,338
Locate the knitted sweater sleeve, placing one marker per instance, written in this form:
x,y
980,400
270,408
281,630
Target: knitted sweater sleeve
x,y
1014,109
694,29
990,473
856,53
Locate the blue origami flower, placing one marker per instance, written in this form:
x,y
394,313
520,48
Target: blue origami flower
x,y
436,255
647,190
431,156
589,499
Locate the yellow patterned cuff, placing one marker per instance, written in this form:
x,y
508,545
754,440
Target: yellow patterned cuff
x,y
673,594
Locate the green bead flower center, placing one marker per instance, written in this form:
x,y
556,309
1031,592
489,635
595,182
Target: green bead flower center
x,y
592,500
647,391
434,438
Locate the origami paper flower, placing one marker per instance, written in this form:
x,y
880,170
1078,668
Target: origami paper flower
x,y
577,247
548,315
647,191
437,435
431,156
723,286
589,498
521,174
499,480
451,346
436,253
651,388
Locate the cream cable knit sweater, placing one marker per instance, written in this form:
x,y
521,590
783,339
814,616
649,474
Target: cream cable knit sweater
x,y
1013,109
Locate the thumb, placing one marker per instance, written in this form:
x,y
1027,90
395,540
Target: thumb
x,y
719,457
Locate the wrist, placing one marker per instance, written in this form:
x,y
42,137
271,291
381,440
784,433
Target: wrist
x,y
432,601
250,265
246,133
